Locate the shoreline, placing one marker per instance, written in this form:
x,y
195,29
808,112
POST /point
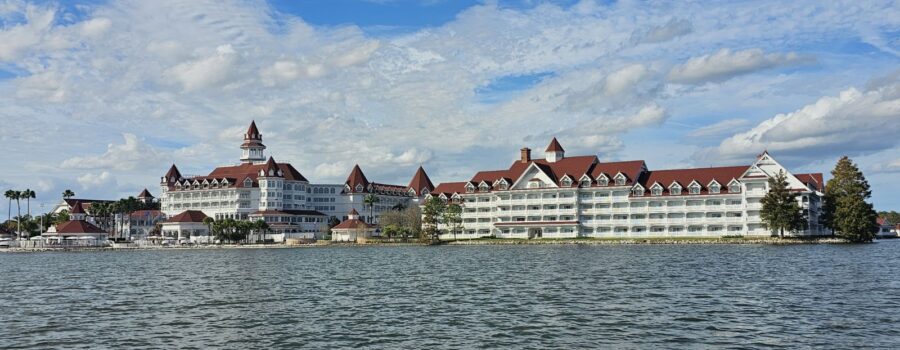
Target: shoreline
x,y
471,242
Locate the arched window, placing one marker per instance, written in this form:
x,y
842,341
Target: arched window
x,y
248,182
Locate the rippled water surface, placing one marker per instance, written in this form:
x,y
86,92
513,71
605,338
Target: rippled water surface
x,y
645,296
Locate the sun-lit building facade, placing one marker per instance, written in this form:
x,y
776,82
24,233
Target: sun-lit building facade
x,y
580,196
259,188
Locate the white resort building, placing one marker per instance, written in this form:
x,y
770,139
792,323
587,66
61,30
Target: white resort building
x,y
261,188
580,196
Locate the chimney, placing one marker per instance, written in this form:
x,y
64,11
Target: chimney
x,y
526,155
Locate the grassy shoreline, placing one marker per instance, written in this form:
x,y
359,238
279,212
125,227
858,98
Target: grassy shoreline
x,y
474,242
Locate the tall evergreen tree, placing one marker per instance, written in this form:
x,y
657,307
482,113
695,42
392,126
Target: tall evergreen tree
x,y
780,210
846,211
432,214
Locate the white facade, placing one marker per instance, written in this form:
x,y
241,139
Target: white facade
x,y
542,203
279,194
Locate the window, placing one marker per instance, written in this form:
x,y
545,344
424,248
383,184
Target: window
x,y
675,189
656,191
248,182
484,187
504,186
734,187
637,191
359,188
566,182
470,188
620,180
602,181
586,183
714,188
695,189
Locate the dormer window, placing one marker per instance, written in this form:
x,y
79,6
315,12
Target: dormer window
x,y
425,192
359,188
638,191
602,181
620,180
470,188
675,190
484,187
567,182
714,188
694,189
535,183
248,182
656,190
734,187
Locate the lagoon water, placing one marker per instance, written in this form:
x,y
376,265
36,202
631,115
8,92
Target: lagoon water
x,y
538,297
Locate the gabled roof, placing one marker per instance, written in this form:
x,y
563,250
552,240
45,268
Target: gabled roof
x,y
687,176
353,212
355,178
271,167
253,137
240,172
554,146
420,181
194,216
77,227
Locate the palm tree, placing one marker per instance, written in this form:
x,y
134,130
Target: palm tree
x,y
262,227
17,195
9,194
208,221
68,194
370,200
28,194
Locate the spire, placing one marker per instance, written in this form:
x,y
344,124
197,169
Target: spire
x,y
173,175
252,148
353,214
357,178
144,194
554,146
420,181
554,152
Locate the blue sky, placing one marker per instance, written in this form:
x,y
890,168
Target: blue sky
x,y
104,95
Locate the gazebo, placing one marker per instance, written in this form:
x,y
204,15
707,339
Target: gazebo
x,y
352,229
76,231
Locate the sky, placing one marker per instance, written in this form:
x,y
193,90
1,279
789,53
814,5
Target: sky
x,y
101,97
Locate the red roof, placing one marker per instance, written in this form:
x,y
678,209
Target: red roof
x,y
77,208
240,172
173,173
77,227
350,224
145,194
631,169
814,179
188,216
554,146
684,177
449,188
355,178
253,137
353,212
882,221
421,181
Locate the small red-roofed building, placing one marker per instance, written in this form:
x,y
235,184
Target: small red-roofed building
x,y
352,229
187,226
77,232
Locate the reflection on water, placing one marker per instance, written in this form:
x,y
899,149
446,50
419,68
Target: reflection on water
x,y
642,296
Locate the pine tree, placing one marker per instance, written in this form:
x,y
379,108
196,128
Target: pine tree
x,y
846,211
780,210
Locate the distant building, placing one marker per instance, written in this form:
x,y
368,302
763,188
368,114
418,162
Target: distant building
x,y
886,229
67,204
77,231
187,226
260,188
352,229
580,196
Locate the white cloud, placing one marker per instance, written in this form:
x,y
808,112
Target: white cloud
x,y
93,181
131,155
722,128
891,166
726,64
853,122
673,29
205,72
